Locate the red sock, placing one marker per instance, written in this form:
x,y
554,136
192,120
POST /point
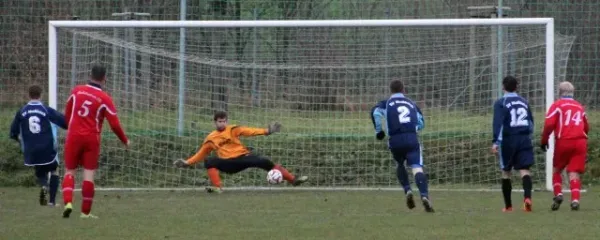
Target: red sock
x,y
575,189
87,194
68,184
286,175
557,183
215,179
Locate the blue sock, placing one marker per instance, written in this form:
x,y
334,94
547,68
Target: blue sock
x,y
403,177
421,180
53,188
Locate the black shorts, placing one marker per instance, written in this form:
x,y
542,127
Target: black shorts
x,y
239,164
43,170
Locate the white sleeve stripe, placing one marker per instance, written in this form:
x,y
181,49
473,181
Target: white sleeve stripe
x,y
557,110
72,108
98,117
108,110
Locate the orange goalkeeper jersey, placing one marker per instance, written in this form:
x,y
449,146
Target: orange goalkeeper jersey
x,y
227,143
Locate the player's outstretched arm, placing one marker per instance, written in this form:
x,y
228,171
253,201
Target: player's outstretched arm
x,y
14,127
248,131
57,118
198,157
113,121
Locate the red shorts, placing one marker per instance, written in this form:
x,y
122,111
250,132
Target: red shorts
x,y
570,153
82,150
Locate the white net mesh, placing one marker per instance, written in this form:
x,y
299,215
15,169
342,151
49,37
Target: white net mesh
x,y
320,83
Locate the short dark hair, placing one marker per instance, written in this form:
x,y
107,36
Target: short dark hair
x,y
510,83
220,115
396,86
98,73
35,92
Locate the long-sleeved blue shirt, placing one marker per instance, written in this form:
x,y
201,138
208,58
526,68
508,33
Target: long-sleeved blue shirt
x,y
512,116
380,111
35,124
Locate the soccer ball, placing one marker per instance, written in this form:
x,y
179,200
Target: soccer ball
x,y
274,177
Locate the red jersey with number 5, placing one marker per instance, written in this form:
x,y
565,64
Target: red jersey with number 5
x,y
86,109
566,118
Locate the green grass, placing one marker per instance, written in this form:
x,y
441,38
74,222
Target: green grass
x,y
295,215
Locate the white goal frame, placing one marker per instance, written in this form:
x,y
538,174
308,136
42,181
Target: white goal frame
x,y
54,26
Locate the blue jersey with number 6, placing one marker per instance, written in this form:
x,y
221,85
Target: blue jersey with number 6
x,y
512,117
35,124
403,119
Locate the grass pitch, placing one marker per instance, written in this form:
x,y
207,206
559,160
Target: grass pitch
x,y
295,215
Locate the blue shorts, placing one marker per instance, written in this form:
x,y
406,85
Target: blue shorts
x,y
516,152
406,147
411,154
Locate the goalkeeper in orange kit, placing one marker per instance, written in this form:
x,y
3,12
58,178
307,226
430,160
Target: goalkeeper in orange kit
x,y
232,156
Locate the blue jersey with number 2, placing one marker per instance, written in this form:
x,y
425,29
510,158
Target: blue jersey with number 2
x,y
403,119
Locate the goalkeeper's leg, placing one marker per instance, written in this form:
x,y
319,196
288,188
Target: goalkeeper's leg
x,y
244,162
266,164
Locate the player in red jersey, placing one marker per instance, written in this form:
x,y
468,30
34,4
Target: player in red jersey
x,y
86,109
566,118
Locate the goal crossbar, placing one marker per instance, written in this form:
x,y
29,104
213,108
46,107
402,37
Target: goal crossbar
x,y
302,23
53,27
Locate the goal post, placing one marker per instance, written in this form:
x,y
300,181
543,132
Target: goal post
x,y
344,70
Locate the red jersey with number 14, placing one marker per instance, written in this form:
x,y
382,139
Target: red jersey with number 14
x,y
86,109
566,118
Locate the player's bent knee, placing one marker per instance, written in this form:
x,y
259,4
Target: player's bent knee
x,y
88,175
573,176
416,169
266,164
211,163
506,174
70,172
524,172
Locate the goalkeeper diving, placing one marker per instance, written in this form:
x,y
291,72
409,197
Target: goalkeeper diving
x,y
232,156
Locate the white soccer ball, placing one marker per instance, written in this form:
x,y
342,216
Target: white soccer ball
x,y
274,177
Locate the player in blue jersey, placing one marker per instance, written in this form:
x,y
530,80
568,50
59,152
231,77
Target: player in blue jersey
x,y
34,127
403,119
512,127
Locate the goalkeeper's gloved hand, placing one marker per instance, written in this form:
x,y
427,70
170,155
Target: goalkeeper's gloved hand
x,y
544,147
273,128
180,163
380,135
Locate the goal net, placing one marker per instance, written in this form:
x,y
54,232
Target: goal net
x,y
320,81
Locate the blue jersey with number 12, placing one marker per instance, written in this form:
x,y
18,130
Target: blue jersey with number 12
x,y
512,117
